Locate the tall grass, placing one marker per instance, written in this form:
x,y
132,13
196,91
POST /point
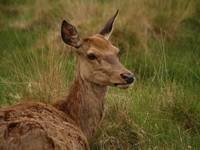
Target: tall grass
x,y
159,43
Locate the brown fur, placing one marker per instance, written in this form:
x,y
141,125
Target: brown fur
x,y
84,104
100,44
38,126
68,125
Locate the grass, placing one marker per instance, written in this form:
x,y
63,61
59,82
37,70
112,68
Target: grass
x,y
159,42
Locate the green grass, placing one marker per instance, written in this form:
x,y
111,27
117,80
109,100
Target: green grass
x,y
159,41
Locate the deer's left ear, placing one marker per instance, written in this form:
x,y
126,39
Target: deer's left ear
x,y
70,35
107,30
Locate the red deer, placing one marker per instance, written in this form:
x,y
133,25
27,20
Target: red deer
x,y
68,124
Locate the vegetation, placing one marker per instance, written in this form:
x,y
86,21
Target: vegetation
x,y
159,42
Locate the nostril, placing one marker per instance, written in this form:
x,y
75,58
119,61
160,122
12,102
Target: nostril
x,y
128,77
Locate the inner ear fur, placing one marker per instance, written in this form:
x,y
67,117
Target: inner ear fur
x,y
70,35
107,30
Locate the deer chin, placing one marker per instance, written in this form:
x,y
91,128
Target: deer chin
x,y
122,85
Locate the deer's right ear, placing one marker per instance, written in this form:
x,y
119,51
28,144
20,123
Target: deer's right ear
x,y
107,30
70,35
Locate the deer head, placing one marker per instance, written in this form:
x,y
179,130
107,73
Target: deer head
x,y
98,59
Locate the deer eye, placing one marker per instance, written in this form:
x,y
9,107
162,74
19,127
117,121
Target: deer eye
x,y
91,56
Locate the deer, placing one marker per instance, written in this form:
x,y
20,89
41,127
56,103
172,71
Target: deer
x,y
69,123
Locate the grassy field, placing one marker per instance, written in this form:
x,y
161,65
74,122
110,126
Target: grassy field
x,y
159,42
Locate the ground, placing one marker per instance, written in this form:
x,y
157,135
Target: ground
x,y
159,41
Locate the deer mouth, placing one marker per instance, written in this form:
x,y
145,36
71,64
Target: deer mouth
x,y
122,85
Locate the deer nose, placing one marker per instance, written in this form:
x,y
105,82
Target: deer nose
x,y
128,77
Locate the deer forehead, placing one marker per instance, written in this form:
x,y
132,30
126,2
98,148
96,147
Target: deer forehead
x,y
100,45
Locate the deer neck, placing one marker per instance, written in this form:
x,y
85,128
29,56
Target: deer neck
x,y
84,104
